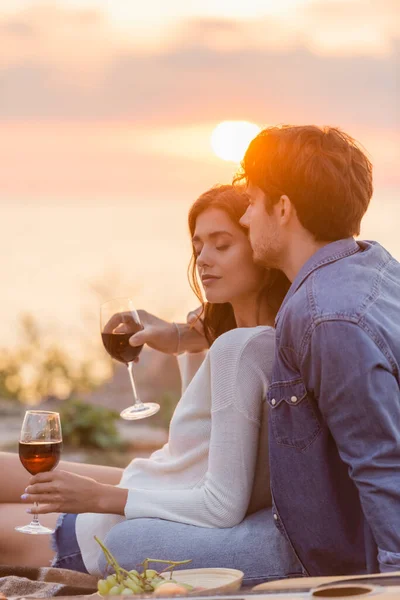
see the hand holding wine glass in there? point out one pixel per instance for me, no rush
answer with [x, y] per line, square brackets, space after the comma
[119, 321]
[39, 451]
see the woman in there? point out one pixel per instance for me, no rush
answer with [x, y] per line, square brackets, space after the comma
[213, 471]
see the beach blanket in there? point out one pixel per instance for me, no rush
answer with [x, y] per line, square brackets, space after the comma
[44, 582]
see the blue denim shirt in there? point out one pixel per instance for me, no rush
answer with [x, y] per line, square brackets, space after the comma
[335, 411]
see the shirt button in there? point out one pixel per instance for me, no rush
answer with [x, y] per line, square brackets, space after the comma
[273, 401]
[275, 516]
[293, 399]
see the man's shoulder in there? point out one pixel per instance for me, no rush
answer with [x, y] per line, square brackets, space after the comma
[358, 289]
[349, 287]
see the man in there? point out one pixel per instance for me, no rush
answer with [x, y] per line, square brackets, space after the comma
[334, 396]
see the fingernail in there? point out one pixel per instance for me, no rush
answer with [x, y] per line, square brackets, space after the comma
[24, 496]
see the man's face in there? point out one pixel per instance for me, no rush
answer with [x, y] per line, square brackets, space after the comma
[264, 231]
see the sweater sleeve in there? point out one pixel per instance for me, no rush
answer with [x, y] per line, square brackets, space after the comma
[238, 388]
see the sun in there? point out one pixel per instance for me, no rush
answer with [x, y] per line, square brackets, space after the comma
[230, 139]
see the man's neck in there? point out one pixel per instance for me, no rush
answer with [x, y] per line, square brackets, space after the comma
[300, 251]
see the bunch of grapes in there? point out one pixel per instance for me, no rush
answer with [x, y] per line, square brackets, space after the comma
[150, 581]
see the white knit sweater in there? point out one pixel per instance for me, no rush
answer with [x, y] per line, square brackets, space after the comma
[214, 468]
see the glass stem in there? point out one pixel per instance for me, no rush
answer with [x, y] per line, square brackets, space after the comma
[35, 518]
[135, 396]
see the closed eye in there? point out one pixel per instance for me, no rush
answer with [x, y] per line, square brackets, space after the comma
[222, 248]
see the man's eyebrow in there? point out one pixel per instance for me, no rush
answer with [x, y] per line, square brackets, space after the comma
[212, 235]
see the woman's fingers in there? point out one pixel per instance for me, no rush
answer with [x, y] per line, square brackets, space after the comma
[141, 337]
[44, 509]
[44, 477]
[41, 498]
[119, 319]
[42, 488]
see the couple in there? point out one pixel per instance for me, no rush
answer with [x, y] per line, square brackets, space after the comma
[324, 382]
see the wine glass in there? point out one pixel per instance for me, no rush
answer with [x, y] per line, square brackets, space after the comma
[119, 321]
[40, 448]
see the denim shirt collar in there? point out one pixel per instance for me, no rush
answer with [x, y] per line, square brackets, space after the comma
[325, 255]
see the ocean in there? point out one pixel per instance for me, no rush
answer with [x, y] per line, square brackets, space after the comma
[61, 259]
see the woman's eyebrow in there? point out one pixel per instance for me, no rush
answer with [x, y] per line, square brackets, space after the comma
[212, 235]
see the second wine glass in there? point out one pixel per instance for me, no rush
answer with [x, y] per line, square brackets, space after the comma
[119, 321]
[40, 447]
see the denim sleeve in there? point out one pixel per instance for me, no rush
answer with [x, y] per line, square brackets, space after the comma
[358, 396]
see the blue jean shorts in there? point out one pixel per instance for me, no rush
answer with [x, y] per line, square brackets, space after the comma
[65, 544]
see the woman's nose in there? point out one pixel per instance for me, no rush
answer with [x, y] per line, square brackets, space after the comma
[203, 259]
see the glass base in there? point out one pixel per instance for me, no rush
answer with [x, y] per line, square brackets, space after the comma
[34, 529]
[140, 411]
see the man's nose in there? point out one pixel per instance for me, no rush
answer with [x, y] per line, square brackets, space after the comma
[245, 220]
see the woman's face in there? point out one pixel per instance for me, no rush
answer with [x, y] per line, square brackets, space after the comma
[224, 258]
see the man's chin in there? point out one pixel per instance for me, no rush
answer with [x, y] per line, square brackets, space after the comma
[260, 260]
[268, 260]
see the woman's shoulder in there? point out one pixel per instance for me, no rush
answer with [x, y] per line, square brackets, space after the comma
[236, 340]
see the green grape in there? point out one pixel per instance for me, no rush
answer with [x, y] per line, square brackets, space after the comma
[134, 572]
[112, 580]
[116, 590]
[134, 586]
[150, 574]
[126, 592]
[103, 587]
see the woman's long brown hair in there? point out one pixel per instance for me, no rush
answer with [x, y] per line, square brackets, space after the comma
[220, 318]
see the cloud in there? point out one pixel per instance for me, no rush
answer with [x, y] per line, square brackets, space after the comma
[16, 28]
[193, 83]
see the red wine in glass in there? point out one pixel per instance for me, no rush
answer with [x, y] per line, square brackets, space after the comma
[40, 447]
[39, 457]
[117, 346]
[119, 321]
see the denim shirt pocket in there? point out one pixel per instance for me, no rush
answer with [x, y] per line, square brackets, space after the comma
[293, 414]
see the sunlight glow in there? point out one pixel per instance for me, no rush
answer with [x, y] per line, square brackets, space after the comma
[230, 139]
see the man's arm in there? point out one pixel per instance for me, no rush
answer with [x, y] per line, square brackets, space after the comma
[359, 398]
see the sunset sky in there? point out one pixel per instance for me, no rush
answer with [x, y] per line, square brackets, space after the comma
[106, 112]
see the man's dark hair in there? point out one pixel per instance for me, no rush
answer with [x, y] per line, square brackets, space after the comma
[323, 171]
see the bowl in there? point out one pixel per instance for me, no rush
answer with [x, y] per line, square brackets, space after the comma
[212, 579]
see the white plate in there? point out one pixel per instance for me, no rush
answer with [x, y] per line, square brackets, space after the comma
[215, 580]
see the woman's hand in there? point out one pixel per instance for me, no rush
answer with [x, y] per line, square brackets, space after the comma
[169, 337]
[61, 491]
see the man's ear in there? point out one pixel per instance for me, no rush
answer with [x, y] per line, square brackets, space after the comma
[285, 209]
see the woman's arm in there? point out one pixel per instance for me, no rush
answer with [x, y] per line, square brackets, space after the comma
[166, 337]
[221, 499]
[18, 478]
[62, 491]
[239, 378]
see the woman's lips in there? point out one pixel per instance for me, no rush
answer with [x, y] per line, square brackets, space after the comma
[207, 280]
